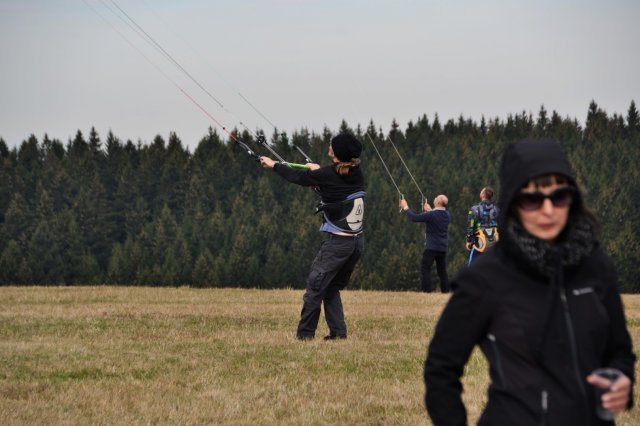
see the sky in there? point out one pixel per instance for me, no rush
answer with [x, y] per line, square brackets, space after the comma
[69, 65]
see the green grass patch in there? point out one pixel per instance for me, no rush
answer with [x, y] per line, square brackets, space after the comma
[123, 356]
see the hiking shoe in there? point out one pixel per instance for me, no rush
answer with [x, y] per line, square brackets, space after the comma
[302, 337]
[334, 337]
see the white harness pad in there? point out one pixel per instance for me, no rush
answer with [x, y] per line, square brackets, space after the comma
[355, 217]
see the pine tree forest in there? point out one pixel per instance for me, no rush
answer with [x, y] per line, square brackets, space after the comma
[99, 210]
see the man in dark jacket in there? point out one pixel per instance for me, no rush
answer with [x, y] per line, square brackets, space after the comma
[543, 306]
[436, 239]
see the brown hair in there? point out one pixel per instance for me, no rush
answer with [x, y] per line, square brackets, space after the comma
[488, 192]
[343, 167]
[548, 180]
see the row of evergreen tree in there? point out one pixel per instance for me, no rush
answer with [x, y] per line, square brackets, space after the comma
[99, 211]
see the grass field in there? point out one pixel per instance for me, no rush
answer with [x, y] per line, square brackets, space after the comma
[130, 355]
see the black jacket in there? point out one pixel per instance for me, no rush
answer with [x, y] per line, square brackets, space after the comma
[542, 334]
[503, 309]
[332, 187]
[340, 212]
[436, 235]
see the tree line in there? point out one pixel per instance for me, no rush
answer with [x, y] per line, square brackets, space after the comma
[96, 211]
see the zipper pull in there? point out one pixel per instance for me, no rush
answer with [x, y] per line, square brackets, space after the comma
[544, 401]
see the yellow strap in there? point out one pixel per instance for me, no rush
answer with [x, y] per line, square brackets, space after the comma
[481, 241]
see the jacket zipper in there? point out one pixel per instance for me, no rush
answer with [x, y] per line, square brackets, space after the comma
[574, 352]
[496, 353]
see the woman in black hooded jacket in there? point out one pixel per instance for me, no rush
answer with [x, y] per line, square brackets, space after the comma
[543, 305]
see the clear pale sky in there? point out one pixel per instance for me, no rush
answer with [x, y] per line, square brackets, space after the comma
[65, 65]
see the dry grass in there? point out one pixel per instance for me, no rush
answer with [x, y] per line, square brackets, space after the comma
[113, 355]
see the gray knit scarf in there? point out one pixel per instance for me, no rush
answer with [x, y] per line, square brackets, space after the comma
[575, 242]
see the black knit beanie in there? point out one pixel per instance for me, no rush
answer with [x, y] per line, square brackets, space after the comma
[346, 147]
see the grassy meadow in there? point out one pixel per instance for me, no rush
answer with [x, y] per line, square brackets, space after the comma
[132, 355]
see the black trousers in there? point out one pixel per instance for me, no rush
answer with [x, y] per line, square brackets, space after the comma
[428, 256]
[330, 273]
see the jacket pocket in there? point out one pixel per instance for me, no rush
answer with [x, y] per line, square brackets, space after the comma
[316, 277]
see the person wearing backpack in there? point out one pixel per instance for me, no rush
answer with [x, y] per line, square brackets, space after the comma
[482, 225]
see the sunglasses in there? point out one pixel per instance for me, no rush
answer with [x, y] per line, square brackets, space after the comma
[533, 200]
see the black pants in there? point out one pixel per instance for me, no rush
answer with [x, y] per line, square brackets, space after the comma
[330, 273]
[428, 256]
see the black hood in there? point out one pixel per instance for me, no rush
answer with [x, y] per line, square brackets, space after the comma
[526, 160]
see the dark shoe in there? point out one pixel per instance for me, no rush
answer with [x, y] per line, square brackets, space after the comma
[299, 337]
[334, 337]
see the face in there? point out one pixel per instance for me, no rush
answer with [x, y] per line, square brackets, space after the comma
[548, 220]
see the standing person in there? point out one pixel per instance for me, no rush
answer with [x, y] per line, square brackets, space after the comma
[341, 188]
[543, 306]
[436, 239]
[482, 225]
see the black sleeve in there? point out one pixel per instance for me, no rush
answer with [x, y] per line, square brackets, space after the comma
[461, 326]
[619, 352]
[417, 217]
[301, 177]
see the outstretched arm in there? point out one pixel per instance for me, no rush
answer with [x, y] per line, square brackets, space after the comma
[313, 176]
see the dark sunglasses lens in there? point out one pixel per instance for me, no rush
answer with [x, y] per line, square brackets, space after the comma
[530, 201]
[562, 197]
[534, 200]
